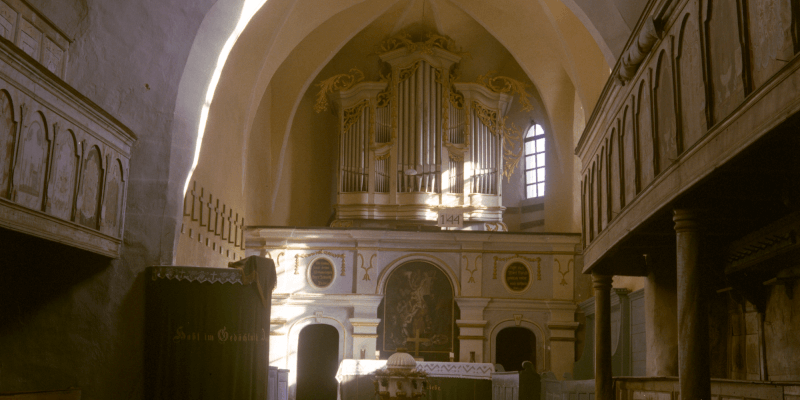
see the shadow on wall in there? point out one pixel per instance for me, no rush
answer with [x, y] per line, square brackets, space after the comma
[35, 272]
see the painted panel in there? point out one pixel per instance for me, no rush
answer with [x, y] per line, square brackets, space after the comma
[113, 200]
[61, 193]
[52, 56]
[770, 37]
[665, 112]
[693, 97]
[30, 38]
[592, 200]
[602, 193]
[418, 310]
[8, 19]
[7, 142]
[725, 58]
[30, 168]
[645, 131]
[89, 196]
[614, 158]
[629, 156]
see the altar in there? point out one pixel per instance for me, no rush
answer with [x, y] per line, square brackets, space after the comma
[446, 380]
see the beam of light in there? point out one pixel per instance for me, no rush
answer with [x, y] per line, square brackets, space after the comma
[249, 9]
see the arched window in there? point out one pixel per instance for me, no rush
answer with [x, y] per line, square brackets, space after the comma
[534, 162]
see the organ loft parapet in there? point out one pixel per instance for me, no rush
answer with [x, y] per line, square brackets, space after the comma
[417, 141]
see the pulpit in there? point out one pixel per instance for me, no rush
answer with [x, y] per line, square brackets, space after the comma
[207, 331]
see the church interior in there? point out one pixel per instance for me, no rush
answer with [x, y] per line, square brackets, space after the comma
[599, 193]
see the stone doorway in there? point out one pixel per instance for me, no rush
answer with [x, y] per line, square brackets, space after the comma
[317, 362]
[513, 346]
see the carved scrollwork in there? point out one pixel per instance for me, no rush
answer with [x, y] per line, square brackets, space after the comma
[408, 71]
[352, 114]
[504, 84]
[512, 137]
[334, 83]
[433, 40]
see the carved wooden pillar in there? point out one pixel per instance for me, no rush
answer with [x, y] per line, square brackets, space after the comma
[693, 342]
[661, 317]
[603, 385]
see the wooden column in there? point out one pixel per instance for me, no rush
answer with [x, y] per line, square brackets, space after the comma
[661, 318]
[603, 384]
[693, 351]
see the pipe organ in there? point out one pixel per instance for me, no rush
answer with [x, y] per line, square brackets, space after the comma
[415, 141]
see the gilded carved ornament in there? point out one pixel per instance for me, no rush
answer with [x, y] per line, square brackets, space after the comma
[564, 273]
[512, 137]
[352, 115]
[334, 83]
[504, 84]
[366, 270]
[471, 271]
[433, 40]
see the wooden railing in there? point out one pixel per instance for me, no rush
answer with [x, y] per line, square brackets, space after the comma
[667, 388]
[64, 161]
[694, 86]
[554, 389]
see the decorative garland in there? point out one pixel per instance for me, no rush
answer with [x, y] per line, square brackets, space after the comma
[297, 258]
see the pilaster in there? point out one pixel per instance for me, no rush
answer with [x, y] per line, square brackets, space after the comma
[471, 327]
[365, 326]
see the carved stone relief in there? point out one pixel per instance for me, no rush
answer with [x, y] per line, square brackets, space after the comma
[690, 69]
[770, 37]
[725, 58]
[628, 156]
[665, 106]
[31, 166]
[112, 202]
[645, 133]
[89, 195]
[61, 193]
[7, 143]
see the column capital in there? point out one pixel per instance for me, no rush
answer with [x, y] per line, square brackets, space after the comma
[602, 282]
[686, 219]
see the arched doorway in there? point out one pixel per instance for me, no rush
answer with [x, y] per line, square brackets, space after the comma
[513, 346]
[317, 362]
[418, 313]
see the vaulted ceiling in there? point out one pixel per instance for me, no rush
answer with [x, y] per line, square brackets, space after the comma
[279, 55]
